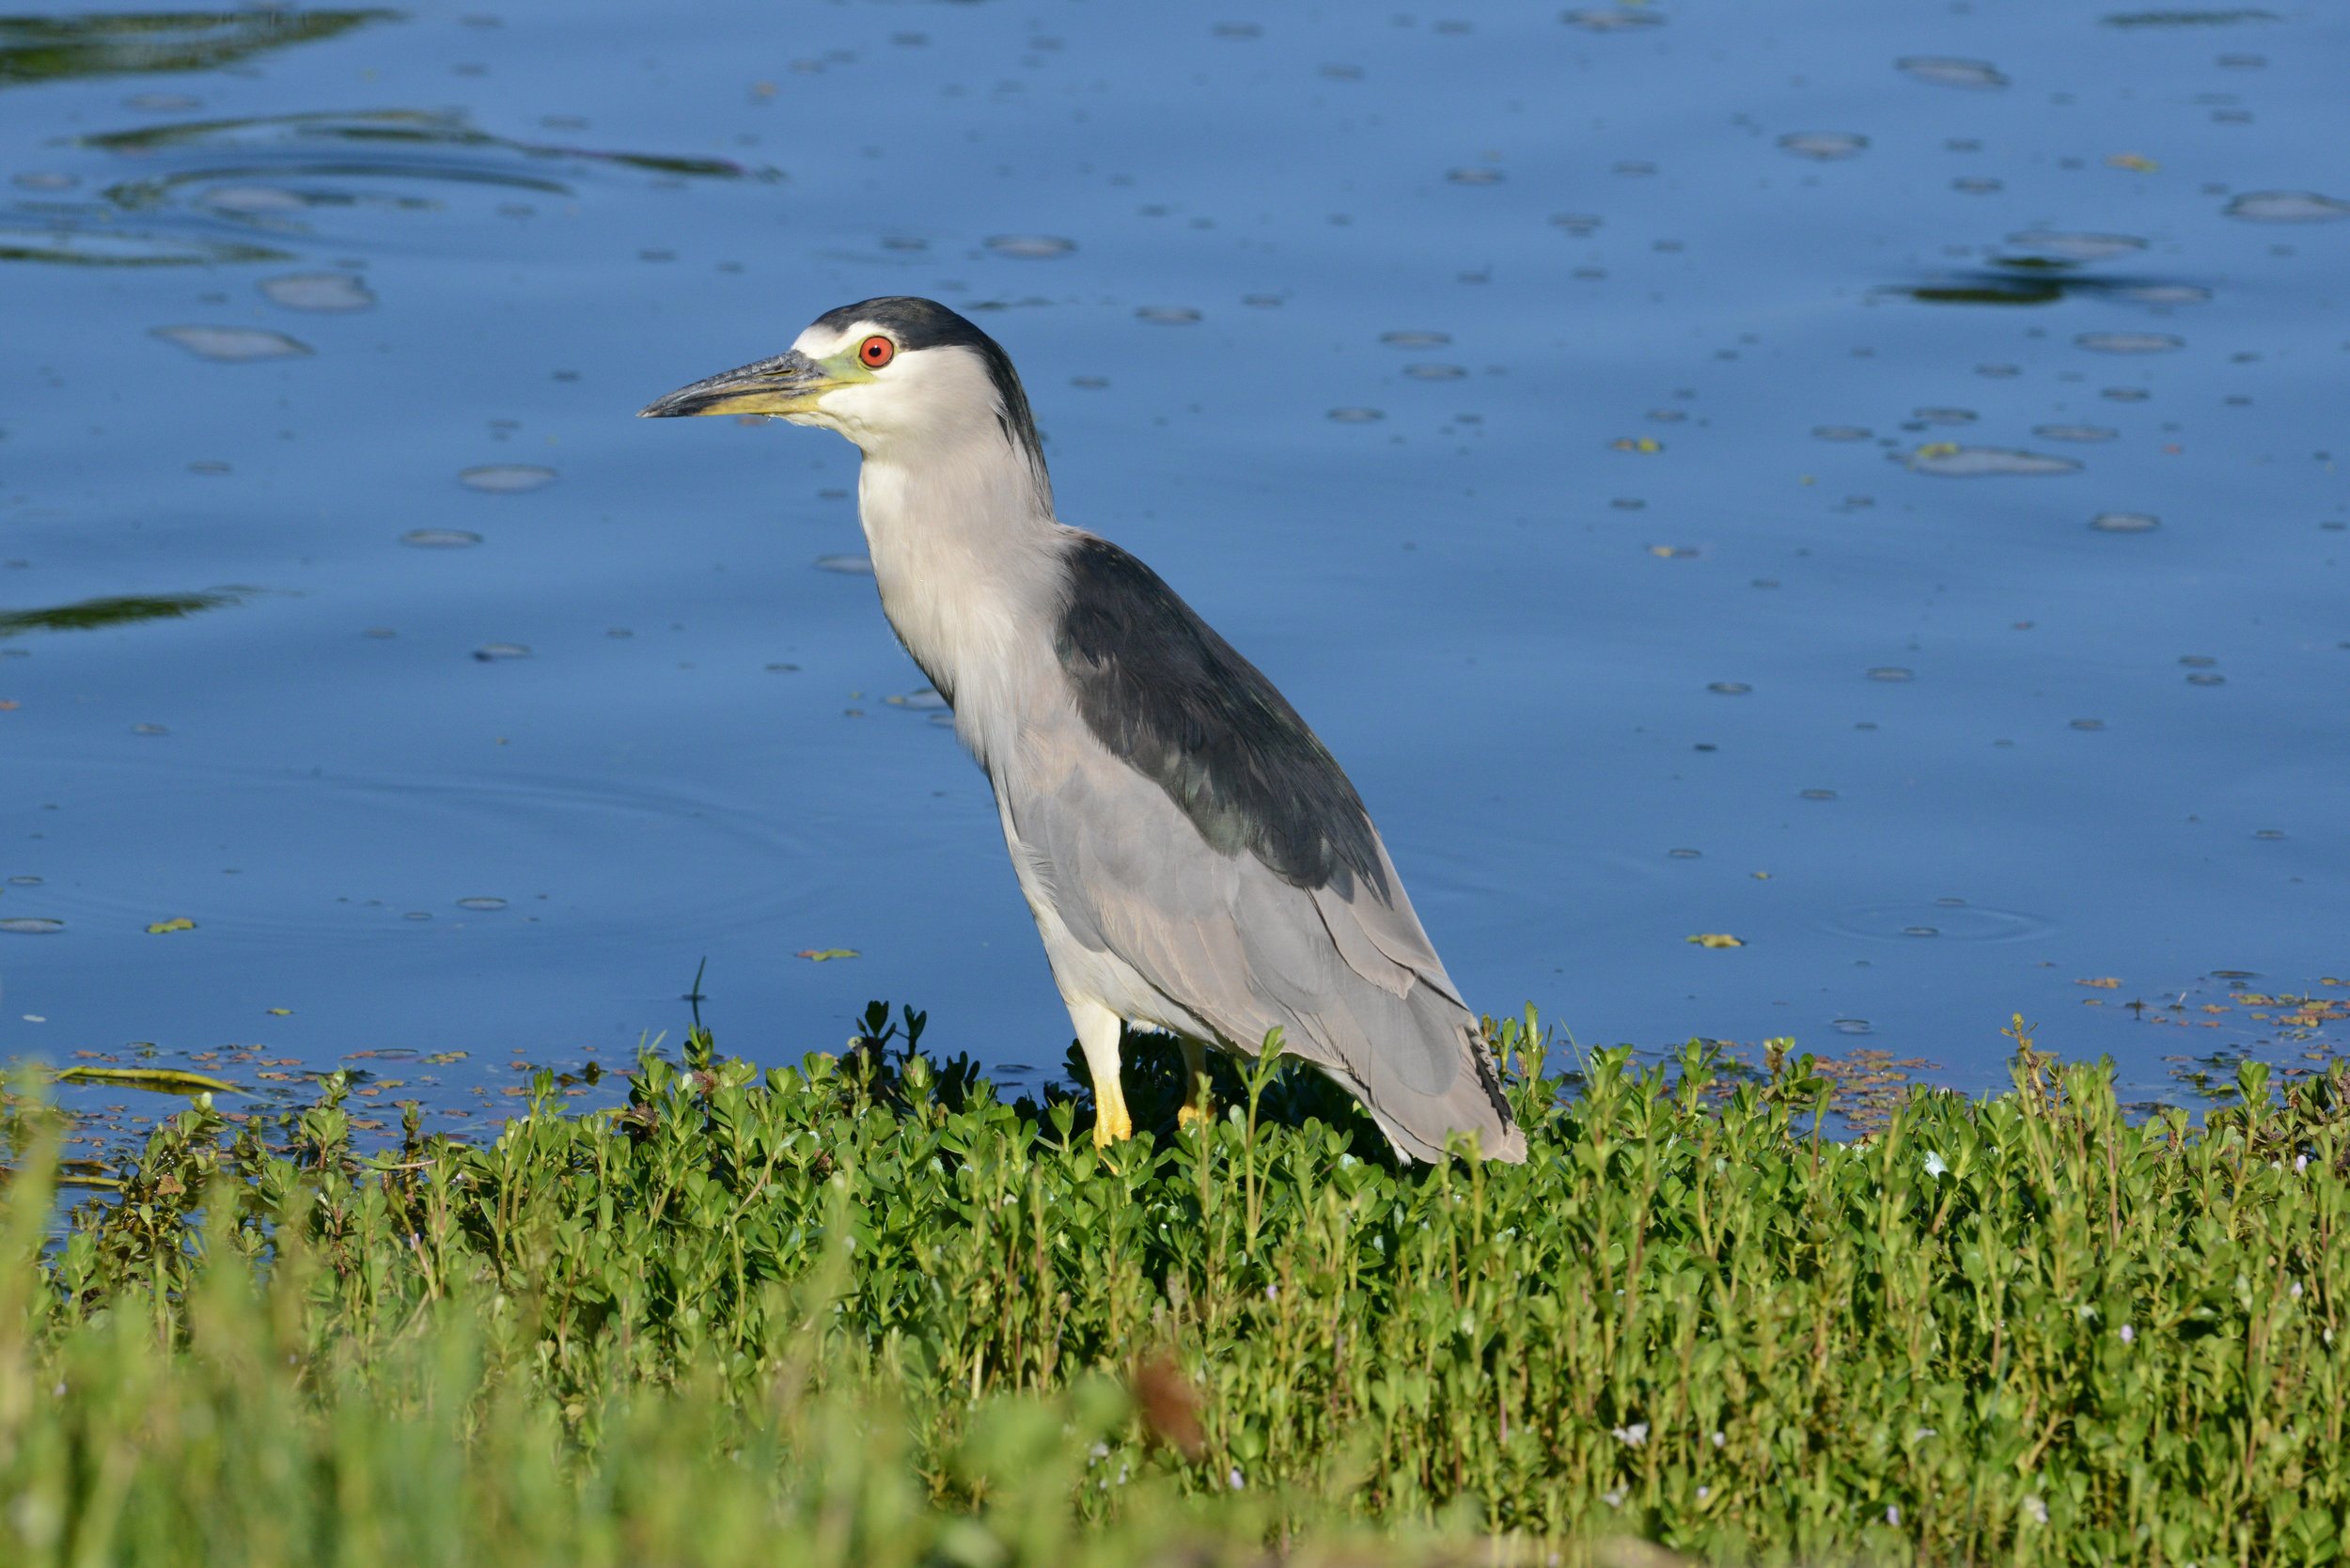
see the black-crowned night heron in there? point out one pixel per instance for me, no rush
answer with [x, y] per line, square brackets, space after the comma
[1196, 860]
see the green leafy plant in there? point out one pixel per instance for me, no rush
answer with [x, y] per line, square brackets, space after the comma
[863, 1311]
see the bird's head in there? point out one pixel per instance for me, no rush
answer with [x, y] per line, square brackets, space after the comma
[895, 375]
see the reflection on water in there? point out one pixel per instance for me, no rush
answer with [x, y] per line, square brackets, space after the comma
[2048, 269]
[1549, 402]
[1975, 75]
[1953, 460]
[2288, 206]
[318, 291]
[232, 343]
[36, 49]
[91, 614]
[2022, 285]
[232, 190]
[363, 144]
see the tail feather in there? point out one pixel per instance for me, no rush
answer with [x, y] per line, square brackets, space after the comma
[1418, 1123]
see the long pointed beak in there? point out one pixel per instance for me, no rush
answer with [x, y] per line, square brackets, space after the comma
[788, 384]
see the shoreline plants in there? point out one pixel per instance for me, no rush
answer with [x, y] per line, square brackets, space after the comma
[862, 1312]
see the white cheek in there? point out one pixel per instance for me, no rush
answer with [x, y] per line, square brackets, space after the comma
[848, 402]
[845, 409]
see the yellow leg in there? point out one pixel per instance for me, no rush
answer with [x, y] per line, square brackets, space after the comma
[1098, 1031]
[1196, 1108]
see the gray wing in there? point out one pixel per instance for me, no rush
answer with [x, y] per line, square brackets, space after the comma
[1344, 969]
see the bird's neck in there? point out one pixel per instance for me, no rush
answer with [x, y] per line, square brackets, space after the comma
[965, 551]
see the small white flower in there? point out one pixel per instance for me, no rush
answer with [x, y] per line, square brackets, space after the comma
[1098, 1452]
[1935, 1165]
[2036, 1507]
[1272, 1292]
[1633, 1435]
[1235, 1479]
[1893, 1514]
[2129, 1335]
[1704, 1492]
[1613, 1500]
[1720, 1439]
[2295, 1292]
[2300, 1164]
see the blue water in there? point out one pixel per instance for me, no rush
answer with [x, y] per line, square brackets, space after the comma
[1561, 409]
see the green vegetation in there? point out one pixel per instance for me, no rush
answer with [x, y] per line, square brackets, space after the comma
[862, 1312]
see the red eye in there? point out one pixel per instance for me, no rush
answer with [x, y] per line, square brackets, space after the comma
[877, 351]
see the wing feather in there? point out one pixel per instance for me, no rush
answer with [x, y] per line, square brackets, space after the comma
[1180, 817]
[1224, 939]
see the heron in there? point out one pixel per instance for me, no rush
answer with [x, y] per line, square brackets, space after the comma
[1196, 861]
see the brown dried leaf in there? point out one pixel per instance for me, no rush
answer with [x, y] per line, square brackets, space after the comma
[1169, 1406]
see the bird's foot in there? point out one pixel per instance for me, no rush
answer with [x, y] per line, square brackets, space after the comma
[1111, 1124]
[1196, 1111]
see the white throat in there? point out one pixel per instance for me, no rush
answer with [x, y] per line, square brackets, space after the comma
[965, 552]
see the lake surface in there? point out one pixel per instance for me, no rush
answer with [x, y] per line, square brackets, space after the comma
[1862, 479]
